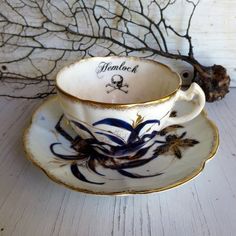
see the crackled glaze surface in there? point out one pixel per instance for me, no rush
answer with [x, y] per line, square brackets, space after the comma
[169, 158]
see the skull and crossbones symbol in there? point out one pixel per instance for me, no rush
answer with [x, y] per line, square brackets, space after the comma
[117, 83]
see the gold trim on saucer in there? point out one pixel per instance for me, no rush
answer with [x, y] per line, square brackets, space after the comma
[119, 105]
[30, 157]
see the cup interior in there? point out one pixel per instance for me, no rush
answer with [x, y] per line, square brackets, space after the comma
[118, 80]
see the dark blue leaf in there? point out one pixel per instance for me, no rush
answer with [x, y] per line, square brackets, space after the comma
[143, 151]
[63, 156]
[147, 137]
[61, 131]
[113, 138]
[141, 125]
[83, 127]
[157, 141]
[127, 149]
[136, 176]
[136, 156]
[115, 122]
[135, 133]
[76, 172]
[92, 166]
[132, 164]
[102, 149]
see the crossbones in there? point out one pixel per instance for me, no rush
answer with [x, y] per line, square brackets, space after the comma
[117, 83]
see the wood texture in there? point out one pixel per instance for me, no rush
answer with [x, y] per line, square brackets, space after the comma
[31, 204]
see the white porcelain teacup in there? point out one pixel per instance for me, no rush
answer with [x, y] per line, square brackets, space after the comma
[120, 101]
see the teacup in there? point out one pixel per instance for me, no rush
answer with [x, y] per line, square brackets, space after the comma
[117, 103]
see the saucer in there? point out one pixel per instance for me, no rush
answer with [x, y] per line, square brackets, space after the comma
[178, 153]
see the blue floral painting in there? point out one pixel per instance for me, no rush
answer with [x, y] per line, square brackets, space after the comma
[119, 155]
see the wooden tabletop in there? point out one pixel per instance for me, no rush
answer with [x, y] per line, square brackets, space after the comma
[32, 205]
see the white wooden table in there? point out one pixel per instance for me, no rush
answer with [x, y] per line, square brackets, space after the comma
[31, 204]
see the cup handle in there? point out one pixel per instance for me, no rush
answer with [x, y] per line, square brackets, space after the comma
[188, 95]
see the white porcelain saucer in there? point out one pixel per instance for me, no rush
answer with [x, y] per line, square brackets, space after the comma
[178, 155]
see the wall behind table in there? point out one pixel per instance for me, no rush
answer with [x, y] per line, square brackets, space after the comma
[213, 31]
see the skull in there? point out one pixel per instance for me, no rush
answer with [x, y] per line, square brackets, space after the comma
[117, 81]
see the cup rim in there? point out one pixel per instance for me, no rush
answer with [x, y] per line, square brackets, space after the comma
[120, 105]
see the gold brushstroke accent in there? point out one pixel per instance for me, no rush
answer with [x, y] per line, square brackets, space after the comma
[195, 173]
[138, 120]
[118, 105]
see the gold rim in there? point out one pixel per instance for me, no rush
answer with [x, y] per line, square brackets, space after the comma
[118, 105]
[32, 158]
